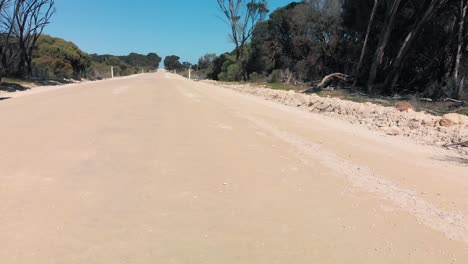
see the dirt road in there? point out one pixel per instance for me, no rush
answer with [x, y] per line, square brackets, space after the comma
[159, 169]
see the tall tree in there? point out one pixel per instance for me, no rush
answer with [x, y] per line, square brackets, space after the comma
[387, 28]
[427, 11]
[366, 39]
[172, 63]
[206, 62]
[242, 16]
[153, 60]
[459, 74]
[5, 33]
[28, 20]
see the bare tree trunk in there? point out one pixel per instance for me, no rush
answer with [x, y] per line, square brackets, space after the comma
[383, 41]
[242, 16]
[364, 47]
[459, 69]
[395, 68]
[461, 86]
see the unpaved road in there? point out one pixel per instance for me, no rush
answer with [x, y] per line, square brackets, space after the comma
[159, 169]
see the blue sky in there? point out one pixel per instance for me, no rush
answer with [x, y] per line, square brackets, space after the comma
[187, 28]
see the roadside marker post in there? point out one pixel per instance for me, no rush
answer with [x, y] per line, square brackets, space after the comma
[112, 72]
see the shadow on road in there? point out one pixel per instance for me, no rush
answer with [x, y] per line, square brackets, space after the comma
[17, 87]
[457, 160]
[12, 87]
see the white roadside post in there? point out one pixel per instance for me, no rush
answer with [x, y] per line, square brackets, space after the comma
[189, 74]
[112, 72]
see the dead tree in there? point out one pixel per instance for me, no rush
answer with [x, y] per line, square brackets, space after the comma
[28, 21]
[5, 32]
[242, 16]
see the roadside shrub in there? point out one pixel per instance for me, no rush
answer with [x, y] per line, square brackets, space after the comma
[51, 68]
[222, 77]
[275, 76]
[233, 73]
[257, 77]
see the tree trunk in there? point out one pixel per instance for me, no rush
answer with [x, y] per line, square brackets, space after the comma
[364, 47]
[459, 69]
[395, 68]
[383, 41]
[238, 52]
[461, 86]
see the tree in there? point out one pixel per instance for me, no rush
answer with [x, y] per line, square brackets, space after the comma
[364, 46]
[242, 17]
[172, 63]
[390, 46]
[459, 75]
[206, 62]
[218, 66]
[426, 13]
[186, 65]
[412, 45]
[153, 60]
[51, 55]
[389, 23]
[135, 59]
[305, 39]
[5, 33]
[27, 21]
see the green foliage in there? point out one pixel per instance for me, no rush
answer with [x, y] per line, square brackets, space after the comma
[55, 58]
[305, 38]
[220, 67]
[275, 76]
[233, 72]
[151, 60]
[256, 77]
[410, 48]
[206, 62]
[222, 77]
[186, 65]
[172, 63]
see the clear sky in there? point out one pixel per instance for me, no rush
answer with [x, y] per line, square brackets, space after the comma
[187, 28]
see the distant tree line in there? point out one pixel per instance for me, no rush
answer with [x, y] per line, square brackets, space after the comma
[384, 46]
[172, 62]
[123, 65]
[26, 53]
[21, 24]
[55, 58]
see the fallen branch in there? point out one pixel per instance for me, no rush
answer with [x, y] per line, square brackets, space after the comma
[426, 100]
[333, 77]
[454, 101]
[327, 80]
[462, 144]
